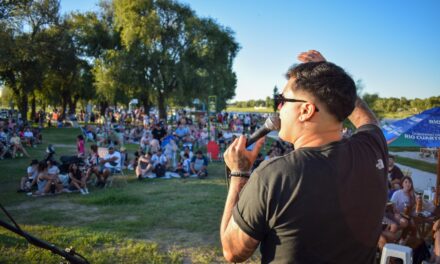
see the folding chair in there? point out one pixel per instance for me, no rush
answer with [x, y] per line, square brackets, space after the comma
[119, 174]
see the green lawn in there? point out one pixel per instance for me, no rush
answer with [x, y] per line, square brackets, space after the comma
[249, 109]
[418, 164]
[154, 221]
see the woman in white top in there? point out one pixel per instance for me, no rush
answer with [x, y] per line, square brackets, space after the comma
[404, 197]
[404, 201]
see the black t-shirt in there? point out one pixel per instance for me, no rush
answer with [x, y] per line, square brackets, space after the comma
[158, 133]
[319, 205]
[395, 173]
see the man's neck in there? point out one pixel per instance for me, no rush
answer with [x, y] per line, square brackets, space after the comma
[317, 139]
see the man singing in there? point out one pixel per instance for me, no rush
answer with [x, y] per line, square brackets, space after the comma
[322, 202]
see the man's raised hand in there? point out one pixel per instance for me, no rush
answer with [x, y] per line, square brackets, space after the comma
[311, 56]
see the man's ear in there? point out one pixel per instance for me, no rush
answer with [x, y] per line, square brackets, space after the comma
[307, 110]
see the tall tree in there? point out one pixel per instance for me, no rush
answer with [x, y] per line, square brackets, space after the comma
[275, 93]
[22, 68]
[172, 41]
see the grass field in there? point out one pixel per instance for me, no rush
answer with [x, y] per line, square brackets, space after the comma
[154, 221]
[249, 109]
[418, 164]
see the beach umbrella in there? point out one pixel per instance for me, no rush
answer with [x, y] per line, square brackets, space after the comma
[421, 130]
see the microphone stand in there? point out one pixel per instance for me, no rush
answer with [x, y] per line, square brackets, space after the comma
[69, 253]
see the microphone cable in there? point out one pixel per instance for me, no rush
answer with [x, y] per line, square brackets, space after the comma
[69, 253]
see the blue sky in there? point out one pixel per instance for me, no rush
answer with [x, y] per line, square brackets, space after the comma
[393, 46]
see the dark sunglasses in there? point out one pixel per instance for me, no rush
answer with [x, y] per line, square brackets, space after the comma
[279, 101]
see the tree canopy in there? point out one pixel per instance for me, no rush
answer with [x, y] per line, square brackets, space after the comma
[158, 51]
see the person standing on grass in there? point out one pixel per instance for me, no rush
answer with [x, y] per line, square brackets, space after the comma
[314, 204]
[80, 146]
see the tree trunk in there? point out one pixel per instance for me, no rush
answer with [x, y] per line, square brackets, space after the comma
[24, 106]
[33, 107]
[72, 106]
[146, 103]
[103, 106]
[63, 106]
[161, 106]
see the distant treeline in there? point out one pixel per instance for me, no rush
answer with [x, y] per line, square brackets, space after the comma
[385, 106]
[381, 106]
[268, 102]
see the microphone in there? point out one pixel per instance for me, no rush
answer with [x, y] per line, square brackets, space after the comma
[272, 123]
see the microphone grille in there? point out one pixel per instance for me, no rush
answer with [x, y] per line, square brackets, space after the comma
[273, 122]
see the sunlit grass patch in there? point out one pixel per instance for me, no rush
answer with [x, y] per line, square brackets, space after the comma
[99, 247]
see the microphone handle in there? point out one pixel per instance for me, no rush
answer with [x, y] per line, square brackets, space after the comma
[250, 140]
[256, 136]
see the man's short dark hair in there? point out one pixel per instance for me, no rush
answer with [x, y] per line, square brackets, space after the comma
[328, 83]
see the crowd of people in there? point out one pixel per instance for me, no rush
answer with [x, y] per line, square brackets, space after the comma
[403, 212]
[16, 136]
[172, 148]
[177, 148]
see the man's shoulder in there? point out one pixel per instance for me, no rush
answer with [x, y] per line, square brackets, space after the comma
[281, 164]
[368, 129]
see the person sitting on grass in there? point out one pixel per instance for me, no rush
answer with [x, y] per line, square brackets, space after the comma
[47, 182]
[28, 136]
[27, 181]
[188, 151]
[4, 149]
[111, 163]
[52, 169]
[159, 161]
[17, 146]
[184, 166]
[78, 179]
[144, 167]
[93, 163]
[199, 164]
